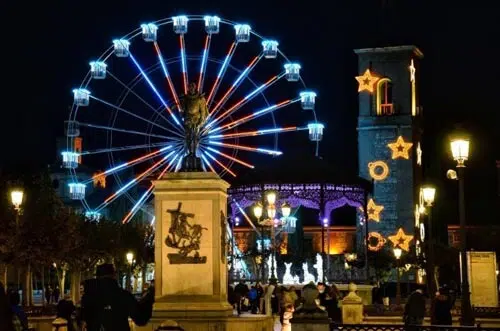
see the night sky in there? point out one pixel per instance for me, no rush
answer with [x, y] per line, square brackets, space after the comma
[48, 46]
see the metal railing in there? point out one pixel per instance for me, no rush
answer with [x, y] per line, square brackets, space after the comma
[401, 327]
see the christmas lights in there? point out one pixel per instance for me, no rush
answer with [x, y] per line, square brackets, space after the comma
[400, 148]
[366, 81]
[375, 241]
[379, 170]
[401, 240]
[374, 211]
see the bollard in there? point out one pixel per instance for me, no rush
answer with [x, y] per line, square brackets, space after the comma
[169, 325]
[60, 324]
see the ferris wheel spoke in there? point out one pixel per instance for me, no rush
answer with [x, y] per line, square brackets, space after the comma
[130, 163]
[145, 196]
[235, 85]
[154, 89]
[119, 81]
[256, 133]
[139, 203]
[109, 128]
[203, 66]
[205, 161]
[221, 73]
[134, 181]
[122, 148]
[167, 74]
[135, 115]
[245, 148]
[253, 116]
[242, 211]
[182, 44]
[231, 158]
[219, 163]
[244, 101]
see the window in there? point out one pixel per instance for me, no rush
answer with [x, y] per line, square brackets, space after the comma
[384, 97]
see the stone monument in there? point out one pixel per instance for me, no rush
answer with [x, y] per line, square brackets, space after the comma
[352, 307]
[191, 241]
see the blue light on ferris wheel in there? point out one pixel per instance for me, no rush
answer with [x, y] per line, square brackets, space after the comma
[81, 97]
[98, 69]
[70, 159]
[315, 131]
[76, 191]
[212, 24]
[93, 215]
[307, 100]
[270, 49]
[149, 32]
[242, 33]
[121, 47]
[292, 72]
[180, 24]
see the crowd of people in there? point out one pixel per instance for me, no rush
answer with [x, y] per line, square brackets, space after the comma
[282, 301]
[441, 306]
[104, 305]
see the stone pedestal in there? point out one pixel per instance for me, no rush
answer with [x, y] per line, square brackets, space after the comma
[190, 246]
[190, 256]
[352, 307]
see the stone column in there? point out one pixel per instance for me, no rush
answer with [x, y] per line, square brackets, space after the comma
[190, 246]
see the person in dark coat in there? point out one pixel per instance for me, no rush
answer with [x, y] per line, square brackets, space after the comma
[6, 314]
[65, 309]
[332, 304]
[240, 291]
[443, 303]
[415, 308]
[106, 306]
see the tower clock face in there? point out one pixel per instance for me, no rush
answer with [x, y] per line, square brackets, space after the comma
[422, 232]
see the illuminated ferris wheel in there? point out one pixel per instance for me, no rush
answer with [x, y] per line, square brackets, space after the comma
[127, 112]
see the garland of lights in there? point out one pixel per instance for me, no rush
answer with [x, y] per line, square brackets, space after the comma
[378, 239]
[379, 170]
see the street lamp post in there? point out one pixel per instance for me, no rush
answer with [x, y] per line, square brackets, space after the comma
[16, 197]
[273, 223]
[460, 151]
[429, 194]
[397, 254]
[130, 260]
[325, 225]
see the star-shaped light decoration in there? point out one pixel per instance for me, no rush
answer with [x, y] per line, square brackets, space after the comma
[401, 240]
[366, 81]
[419, 154]
[374, 211]
[412, 71]
[400, 148]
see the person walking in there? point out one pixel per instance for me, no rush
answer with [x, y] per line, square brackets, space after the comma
[107, 307]
[415, 308]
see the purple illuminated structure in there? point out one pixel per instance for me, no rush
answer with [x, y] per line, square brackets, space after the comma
[323, 197]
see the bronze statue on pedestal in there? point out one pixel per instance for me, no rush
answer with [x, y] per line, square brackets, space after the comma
[194, 112]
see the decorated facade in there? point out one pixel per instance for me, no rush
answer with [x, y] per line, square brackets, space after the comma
[389, 148]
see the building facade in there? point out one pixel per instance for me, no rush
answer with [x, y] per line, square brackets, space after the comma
[389, 135]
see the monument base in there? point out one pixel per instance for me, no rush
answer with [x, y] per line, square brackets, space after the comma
[201, 322]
